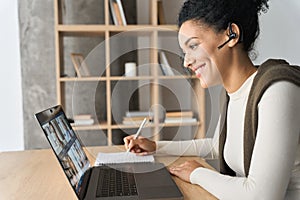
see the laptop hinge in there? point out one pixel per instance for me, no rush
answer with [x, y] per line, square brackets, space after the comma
[84, 183]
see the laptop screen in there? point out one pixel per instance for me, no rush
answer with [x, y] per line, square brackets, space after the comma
[65, 144]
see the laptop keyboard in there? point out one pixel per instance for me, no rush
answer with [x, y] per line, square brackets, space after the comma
[113, 182]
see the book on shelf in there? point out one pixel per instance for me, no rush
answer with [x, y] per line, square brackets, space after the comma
[180, 120]
[164, 64]
[117, 12]
[135, 120]
[137, 117]
[81, 120]
[139, 114]
[161, 14]
[184, 113]
[180, 116]
[82, 117]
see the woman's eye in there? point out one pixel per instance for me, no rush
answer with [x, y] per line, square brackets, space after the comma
[193, 46]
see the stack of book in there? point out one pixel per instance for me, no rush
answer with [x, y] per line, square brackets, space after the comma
[117, 12]
[136, 117]
[81, 120]
[180, 117]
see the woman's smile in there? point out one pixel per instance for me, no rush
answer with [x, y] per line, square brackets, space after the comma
[198, 69]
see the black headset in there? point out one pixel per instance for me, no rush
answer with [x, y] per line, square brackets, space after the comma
[232, 35]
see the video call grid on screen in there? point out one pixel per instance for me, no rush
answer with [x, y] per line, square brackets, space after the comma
[67, 148]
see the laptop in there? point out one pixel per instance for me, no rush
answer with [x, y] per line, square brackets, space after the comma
[108, 181]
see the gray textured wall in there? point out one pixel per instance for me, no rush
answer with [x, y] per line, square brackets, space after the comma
[37, 62]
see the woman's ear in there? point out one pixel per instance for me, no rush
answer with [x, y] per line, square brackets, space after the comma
[234, 34]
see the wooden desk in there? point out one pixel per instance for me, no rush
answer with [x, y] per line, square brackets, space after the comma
[36, 174]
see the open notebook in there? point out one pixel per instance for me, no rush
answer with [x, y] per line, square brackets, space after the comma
[121, 157]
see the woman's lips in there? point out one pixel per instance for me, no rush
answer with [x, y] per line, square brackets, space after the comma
[198, 69]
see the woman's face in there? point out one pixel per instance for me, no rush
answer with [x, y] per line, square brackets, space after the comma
[200, 44]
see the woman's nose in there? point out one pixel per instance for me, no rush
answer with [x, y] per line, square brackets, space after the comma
[187, 62]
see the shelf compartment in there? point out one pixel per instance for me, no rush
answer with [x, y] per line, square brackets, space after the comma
[80, 56]
[122, 50]
[75, 12]
[121, 101]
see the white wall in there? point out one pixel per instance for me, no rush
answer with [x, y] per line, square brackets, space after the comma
[11, 123]
[280, 30]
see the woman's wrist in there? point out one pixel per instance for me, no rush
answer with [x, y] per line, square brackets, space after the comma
[154, 146]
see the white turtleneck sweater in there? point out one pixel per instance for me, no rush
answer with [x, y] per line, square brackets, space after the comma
[275, 163]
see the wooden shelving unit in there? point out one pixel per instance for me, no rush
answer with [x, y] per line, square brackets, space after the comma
[106, 30]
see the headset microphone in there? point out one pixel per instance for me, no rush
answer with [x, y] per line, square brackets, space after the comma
[231, 36]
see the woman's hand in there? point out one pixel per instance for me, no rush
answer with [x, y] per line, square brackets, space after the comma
[140, 146]
[184, 170]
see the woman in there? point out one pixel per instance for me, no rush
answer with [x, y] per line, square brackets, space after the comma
[258, 131]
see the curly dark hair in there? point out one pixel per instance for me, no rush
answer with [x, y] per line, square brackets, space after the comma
[219, 13]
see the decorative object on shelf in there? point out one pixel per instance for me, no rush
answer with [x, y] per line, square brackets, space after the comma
[117, 12]
[130, 69]
[79, 65]
[164, 64]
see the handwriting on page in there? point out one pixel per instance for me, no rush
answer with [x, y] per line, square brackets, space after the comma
[122, 157]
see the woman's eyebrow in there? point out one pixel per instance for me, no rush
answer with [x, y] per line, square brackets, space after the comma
[187, 41]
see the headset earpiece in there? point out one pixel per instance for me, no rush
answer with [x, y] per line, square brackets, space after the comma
[232, 35]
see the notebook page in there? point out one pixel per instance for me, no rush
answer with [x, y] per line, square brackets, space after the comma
[121, 157]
